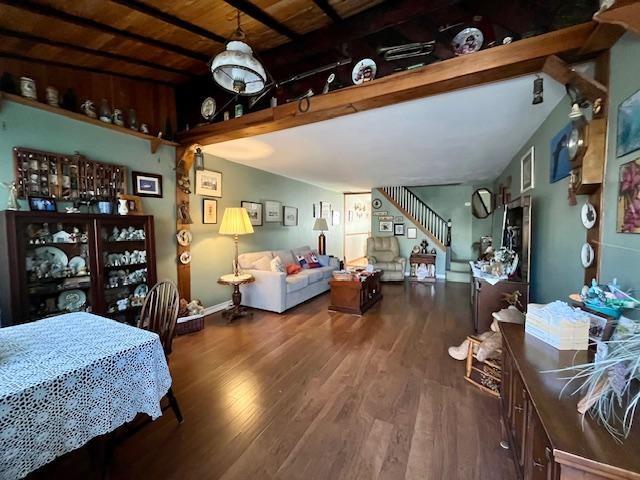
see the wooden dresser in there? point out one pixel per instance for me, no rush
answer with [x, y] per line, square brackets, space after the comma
[547, 435]
[487, 298]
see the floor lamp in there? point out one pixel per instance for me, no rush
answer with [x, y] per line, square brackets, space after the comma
[235, 221]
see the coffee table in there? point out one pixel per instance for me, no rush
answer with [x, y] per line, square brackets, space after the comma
[236, 310]
[355, 296]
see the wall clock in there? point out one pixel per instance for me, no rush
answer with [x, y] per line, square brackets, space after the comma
[208, 108]
[376, 203]
[577, 143]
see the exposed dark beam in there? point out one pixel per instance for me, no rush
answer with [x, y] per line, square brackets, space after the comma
[168, 18]
[46, 10]
[326, 7]
[375, 19]
[55, 63]
[263, 17]
[90, 51]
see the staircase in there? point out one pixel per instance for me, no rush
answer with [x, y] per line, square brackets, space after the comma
[435, 227]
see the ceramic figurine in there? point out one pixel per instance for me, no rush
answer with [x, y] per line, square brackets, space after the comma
[133, 121]
[122, 207]
[105, 111]
[89, 109]
[53, 97]
[118, 117]
[225, 116]
[12, 202]
[144, 128]
[28, 88]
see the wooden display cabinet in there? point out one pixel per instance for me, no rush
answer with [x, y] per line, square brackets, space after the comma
[45, 271]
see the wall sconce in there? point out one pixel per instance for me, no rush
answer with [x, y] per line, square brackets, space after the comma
[538, 90]
[199, 159]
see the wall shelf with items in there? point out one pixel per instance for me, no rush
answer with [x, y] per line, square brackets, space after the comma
[154, 142]
[82, 271]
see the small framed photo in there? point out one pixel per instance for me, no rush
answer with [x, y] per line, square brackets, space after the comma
[335, 218]
[290, 216]
[398, 229]
[147, 184]
[43, 204]
[412, 232]
[325, 210]
[272, 211]
[385, 226]
[316, 210]
[209, 210]
[527, 171]
[209, 183]
[255, 212]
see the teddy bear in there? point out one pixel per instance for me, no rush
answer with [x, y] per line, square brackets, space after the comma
[187, 309]
[490, 345]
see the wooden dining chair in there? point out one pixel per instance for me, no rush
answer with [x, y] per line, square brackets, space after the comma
[159, 314]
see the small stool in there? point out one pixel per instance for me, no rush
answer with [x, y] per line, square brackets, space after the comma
[485, 375]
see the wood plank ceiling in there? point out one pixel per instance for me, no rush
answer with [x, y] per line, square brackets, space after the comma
[161, 40]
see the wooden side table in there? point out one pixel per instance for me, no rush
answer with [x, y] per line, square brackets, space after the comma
[236, 310]
[417, 259]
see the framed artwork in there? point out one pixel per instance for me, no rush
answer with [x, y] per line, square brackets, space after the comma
[335, 218]
[290, 216]
[629, 198]
[385, 218]
[272, 211]
[325, 210]
[380, 213]
[147, 184]
[386, 226]
[560, 164]
[209, 210]
[398, 228]
[628, 138]
[209, 183]
[43, 204]
[255, 212]
[412, 232]
[527, 171]
[316, 210]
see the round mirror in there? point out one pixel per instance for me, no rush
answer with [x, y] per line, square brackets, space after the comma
[482, 203]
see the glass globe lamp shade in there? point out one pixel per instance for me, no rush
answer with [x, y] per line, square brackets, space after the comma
[237, 71]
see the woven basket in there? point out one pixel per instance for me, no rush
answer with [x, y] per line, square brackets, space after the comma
[191, 324]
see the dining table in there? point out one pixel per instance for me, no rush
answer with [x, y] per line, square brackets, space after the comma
[70, 378]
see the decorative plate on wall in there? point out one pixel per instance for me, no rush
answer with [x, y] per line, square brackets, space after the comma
[184, 237]
[376, 203]
[208, 108]
[588, 215]
[587, 255]
[185, 258]
[364, 71]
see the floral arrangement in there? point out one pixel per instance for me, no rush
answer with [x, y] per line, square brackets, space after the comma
[629, 198]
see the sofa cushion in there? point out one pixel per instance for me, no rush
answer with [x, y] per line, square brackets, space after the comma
[327, 272]
[389, 266]
[246, 260]
[293, 268]
[296, 282]
[285, 255]
[277, 265]
[313, 274]
[312, 260]
[263, 263]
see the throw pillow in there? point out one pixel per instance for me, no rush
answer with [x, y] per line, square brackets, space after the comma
[292, 269]
[263, 263]
[277, 265]
[302, 261]
[312, 260]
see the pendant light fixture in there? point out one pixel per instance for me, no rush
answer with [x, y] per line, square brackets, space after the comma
[236, 69]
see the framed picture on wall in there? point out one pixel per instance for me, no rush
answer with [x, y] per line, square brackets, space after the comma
[386, 226]
[628, 138]
[147, 184]
[209, 183]
[628, 195]
[398, 229]
[412, 232]
[560, 165]
[335, 218]
[255, 212]
[527, 171]
[325, 210]
[316, 210]
[272, 211]
[209, 210]
[290, 216]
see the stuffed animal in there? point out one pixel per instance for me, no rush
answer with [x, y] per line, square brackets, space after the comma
[491, 342]
[187, 309]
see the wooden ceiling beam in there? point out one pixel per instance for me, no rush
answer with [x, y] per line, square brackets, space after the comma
[158, 14]
[625, 13]
[48, 11]
[56, 63]
[329, 11]
[495, 64]
[263, 17]
[90, 51]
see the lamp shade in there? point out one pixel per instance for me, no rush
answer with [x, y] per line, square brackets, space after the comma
[320, 225]
[235, 221]
[237, 70]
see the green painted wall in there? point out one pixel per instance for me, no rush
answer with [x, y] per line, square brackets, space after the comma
[22, 126]
[213, 253]
[557, 231]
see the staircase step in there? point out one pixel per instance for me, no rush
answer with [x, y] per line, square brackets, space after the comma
[460, 266]
[458, 277]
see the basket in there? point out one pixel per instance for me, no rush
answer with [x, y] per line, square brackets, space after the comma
[342, 276]
[193, 323]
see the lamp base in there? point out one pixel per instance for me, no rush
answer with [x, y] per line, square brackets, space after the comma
[322, 244]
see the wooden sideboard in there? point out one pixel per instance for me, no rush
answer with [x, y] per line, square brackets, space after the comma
[418, 259]
[487, 298]
[548, 438]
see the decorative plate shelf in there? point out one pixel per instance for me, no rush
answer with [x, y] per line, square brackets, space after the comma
[154, 142]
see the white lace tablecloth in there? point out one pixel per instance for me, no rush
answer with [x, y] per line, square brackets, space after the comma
[67, 379]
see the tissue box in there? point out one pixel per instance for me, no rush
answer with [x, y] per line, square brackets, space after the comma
[559, 325]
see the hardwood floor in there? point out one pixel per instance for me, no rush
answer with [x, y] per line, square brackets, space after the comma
[316, 395]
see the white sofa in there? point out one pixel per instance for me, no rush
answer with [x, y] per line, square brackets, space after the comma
[277, 291]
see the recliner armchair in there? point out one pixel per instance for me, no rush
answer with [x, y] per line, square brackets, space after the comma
[384, 253]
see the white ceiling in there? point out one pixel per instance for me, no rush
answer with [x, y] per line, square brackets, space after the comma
[464, 136]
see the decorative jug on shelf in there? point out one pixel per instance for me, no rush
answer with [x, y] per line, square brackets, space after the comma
[123, 209]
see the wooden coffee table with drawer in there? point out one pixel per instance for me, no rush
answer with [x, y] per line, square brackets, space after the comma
[355, 296]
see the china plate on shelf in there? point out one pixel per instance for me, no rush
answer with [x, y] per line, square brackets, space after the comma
[141, 290]
[588, 215]
[53, 254]
[76, 263]
[113, 260]
[71, 300]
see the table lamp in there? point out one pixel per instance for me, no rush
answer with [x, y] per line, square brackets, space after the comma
[321, 226]
[235, 221]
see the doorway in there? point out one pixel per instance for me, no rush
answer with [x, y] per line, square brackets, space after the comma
[357, 227]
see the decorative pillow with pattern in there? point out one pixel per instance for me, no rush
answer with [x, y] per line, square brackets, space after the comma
[277, 265]
[301, 261]
[312, 260]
